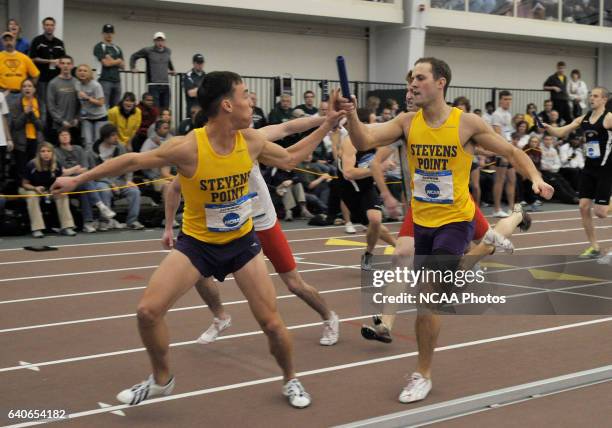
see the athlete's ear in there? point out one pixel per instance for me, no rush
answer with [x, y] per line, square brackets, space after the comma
[226, 105]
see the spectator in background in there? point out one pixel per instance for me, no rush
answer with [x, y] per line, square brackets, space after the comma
[462, 103]
[505, 175]
[478, 112]
[316, 184]
[521, 134]
[63, 102]
[309, 104]
[93, 112]
[545, 114]
[40, 173]
[281, 114]
[6, 140]
[259, 117]
[45, 51]
[108, 147]
[554, 119]
[26, 126]
[189, 124]
[192, 80]
[15, 67]
[572, 161]
[74, 160]
[162, 134]
[385, 116]
[373, 104]
[557, 85]
[530, 110]
[21, 43]
[392, 105]
[532, 149]
[159, 64]
[110, 62]
[578, 93]
[148, 116]
[152, 133]
[126, 118]
[489, 110]
[550, 166]
[288, 186]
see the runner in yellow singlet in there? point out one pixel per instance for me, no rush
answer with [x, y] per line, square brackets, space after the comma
[217, 238]
[439, 157]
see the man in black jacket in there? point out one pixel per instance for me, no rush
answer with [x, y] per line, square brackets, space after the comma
[557, 85]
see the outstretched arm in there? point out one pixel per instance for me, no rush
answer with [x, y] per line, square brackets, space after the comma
[564, 131]
[489, 140]
[282, 130]
[365, 138]
[167, 154]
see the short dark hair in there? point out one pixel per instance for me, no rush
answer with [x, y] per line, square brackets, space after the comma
[62, 130]
[65, 56]
[309, 92]
[128, 96]
[462, 101]
[547, 101]
[364, 115]
[108, 130]
[216, 86]
[145, 95]
[439, 69]
[504, 94]
[576, 71]
[48, 18]
[389, 102]
[489, 104]
[561, 64]
[159, 123]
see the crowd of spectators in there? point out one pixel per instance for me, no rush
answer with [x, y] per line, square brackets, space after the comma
[60, 118]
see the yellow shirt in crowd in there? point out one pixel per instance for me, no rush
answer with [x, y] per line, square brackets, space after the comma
[15, 67]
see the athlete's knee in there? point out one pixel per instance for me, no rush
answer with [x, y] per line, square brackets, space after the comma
[272, 325]
[148, 314]
[374, 218]
[402, 251]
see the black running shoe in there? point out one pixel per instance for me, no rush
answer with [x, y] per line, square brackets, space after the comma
[525, 224]
[366, 261]
[373, 333]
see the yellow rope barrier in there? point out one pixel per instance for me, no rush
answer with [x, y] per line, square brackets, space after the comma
[80, 192]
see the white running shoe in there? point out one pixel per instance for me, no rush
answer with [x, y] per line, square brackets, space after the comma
[215, 329]
[145, 389]
[500, 214]
[349, 228]
[89, 227]
[297, 395]
[331, 330]
[417, 389]
[105, 212]
[498, 241]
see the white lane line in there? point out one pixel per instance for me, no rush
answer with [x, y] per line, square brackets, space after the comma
[172, 345]
[95, 256]
[184, 308]
[320, 371]
[564, 290]
[559, 245]
[61, 296]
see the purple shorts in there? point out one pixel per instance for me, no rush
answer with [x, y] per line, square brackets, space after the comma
[452, 238]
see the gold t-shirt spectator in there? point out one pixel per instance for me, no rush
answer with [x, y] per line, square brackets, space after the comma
[14, 68]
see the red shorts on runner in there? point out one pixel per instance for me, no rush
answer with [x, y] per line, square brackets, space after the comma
[481, 225]
[275, 246]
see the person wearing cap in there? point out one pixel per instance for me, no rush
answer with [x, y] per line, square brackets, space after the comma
[15, 67]
[45, 51]
[159, 65]
[192, 79]
[110, 59]
[21, 43]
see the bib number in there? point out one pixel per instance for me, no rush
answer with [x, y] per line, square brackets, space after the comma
[592, 150]
[434, 187]
[230, 216]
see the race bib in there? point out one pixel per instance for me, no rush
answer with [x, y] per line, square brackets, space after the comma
[592, 150]
[365, 161]
[229, 216]
[435, 187]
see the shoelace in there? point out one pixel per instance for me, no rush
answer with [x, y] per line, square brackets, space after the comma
[296, 385]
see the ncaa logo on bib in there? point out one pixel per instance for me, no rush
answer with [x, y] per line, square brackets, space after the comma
[231, 220]
[432, 190]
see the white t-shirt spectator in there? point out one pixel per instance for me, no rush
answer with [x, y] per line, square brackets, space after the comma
[3, 111]
[550, 159]
[571, 157]
[503, 119]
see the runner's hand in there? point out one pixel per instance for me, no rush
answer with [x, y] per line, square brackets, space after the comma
[168, 240]
[392, 206]
[63, 185]
[540, 187]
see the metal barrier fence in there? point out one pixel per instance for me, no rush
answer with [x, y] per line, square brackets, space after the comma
[264, 88]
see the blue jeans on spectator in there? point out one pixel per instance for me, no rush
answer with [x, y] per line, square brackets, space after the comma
[161, 95]
[112, 92]
[88, 200]
[131, 193]
[90, 131]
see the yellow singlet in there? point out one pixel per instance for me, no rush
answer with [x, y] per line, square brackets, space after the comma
[217, 199]
[440, 170]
